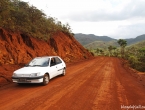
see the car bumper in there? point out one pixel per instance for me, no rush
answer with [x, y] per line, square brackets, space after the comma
[28, 79]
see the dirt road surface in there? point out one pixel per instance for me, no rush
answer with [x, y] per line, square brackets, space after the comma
[101, 83]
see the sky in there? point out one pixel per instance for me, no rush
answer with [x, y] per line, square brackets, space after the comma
[117, 19]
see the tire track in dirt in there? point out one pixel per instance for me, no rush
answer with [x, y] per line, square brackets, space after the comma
[78, 98]
[131, 90]
[65, 90]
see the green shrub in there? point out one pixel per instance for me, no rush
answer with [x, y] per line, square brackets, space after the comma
[17, 15]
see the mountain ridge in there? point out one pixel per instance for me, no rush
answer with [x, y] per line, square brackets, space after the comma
[91, 39]
[135, 40]
[88, 38]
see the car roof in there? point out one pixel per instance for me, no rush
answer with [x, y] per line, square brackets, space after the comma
[47, 57]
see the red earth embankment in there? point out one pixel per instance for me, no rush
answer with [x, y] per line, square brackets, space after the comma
[17, 48]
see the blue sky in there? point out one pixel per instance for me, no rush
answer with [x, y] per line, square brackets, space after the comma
[113, 18]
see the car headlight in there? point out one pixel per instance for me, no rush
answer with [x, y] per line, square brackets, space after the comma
[14, 74]
[34, 74]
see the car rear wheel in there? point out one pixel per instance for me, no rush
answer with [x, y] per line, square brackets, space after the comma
[63, 72]
[20, 83]
[45, 79]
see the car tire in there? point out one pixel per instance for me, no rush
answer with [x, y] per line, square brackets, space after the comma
[63, 72]
[20, 83]
[45, 79]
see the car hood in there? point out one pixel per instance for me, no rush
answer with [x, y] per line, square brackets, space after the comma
[27, 70]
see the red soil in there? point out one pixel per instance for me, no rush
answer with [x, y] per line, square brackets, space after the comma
[102, 83]
[18, 48]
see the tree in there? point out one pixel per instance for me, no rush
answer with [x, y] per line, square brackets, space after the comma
[114, 53]
[122, 44]
[102, 52]
[142, 51]
[110, 48]
[97, 51]
[5, 19]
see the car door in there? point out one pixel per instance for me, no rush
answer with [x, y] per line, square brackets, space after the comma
[59, 65]
[53, 68]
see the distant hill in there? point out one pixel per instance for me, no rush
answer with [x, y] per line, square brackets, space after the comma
[135, 40]
[101, 44]
[93, 41]
[137, 45]
[89, 38]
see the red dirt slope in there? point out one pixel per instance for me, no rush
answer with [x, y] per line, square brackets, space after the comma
[18, 48]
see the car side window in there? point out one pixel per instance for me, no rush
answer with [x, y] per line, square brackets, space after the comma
[52, 62]
[58, 61]
[45, 63]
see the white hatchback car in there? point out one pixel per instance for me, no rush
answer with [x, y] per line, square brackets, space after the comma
[40, 70]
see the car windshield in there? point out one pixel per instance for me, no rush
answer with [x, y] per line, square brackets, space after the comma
[39, 62]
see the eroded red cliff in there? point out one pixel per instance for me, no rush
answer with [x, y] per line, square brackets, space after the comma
[16, 48]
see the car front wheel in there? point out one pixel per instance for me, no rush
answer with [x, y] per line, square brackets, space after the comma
[45, 79]
[63, 72]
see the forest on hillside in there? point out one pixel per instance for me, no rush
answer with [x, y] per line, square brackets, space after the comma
[16, 15]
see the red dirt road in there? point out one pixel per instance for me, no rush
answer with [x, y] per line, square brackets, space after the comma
[101, 83]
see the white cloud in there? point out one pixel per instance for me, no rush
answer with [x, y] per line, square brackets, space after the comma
[114, 18]
[108, 12]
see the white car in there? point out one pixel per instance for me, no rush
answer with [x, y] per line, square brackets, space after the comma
[40, 70]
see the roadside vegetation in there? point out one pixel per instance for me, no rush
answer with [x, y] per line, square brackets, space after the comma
[16, 15]
[135, 54]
